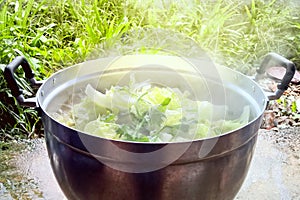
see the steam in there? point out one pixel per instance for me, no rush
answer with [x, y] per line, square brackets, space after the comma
[152, 41]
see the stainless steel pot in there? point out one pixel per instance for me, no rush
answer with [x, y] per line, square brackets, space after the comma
[90, 167]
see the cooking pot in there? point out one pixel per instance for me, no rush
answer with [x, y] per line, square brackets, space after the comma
[91, 167]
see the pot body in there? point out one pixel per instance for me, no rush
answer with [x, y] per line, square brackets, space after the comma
[82, 176]
[89, 167]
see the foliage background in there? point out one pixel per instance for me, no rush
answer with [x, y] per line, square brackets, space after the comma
[52, 35]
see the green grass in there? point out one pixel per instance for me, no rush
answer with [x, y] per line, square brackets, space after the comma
[56, 34]
[235, 33]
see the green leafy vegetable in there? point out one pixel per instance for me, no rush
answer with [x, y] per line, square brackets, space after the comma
[146, 113]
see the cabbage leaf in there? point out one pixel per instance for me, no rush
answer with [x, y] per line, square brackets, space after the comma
[146, 113]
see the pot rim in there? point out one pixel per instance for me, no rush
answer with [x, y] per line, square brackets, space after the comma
[255, 85]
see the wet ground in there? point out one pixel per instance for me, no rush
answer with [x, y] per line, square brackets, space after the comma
[274, 172]
[275, 169]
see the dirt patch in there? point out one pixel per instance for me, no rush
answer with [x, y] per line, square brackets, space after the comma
[288, 141]
[275, 169]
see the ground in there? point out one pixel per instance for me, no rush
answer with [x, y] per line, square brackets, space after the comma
[274, 172]
[275, 169]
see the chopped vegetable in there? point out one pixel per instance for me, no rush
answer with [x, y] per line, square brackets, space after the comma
[146, 113]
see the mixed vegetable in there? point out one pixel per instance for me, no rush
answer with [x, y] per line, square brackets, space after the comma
[147, 113]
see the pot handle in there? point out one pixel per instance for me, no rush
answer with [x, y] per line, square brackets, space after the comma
[16, 91]
[289, 74]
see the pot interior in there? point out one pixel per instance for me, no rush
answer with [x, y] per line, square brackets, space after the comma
[219, 85]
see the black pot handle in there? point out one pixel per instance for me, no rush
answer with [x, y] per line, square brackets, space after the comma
[289, 74]
[16, 91]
